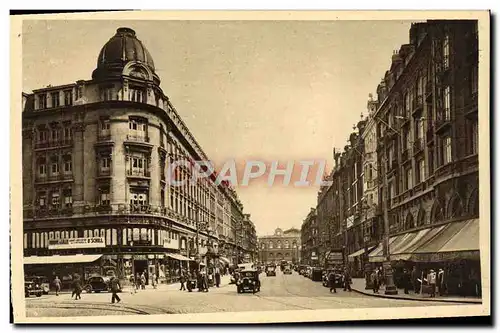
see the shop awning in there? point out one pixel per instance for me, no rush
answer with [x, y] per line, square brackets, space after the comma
[178, 257]
[360, 252]
[73, 259]
[225, 260]
[467, 239]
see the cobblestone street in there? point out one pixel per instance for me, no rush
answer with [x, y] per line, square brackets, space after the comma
[283, 292]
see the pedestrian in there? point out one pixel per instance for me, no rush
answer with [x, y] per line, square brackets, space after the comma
[115, 288]
[189, 281]
[375, 281]
[143, 281]
[57, 285]
[414, 280]
[182, 280]
[406, 281]
[205, 280]
[331, 281]
[133, 284]
[77, 287]
[137, 281]
[217, 277]
[153, 280]
[431, 279]
[347, 280]
[441, 282]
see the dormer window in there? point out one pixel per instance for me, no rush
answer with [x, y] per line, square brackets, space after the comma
[42, 101]
[68, 97]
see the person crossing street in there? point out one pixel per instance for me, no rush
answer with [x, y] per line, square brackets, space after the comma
[115, 288]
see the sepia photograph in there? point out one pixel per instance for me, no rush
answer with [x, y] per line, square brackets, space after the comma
[250, 167]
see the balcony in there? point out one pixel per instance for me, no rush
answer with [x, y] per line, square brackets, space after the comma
[140, 209]
[54, 144]
[418, 146]
[137, 173]
[104, 139]
[54, 178]
[443, 121]
[138, 141]
[418, 105]
[104, 173]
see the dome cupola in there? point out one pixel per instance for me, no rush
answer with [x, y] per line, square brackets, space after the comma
[122, 49]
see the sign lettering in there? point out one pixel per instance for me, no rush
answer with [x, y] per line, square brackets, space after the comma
[76, 243]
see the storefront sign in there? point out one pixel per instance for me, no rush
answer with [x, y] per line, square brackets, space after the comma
[76, 243]
[170, 243]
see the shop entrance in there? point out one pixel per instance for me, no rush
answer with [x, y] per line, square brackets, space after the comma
[141, 266]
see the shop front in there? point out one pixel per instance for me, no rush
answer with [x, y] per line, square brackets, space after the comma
[453, 247]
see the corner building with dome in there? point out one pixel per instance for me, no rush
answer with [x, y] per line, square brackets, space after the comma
[96, 198]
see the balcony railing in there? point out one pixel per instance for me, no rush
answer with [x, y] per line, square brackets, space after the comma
[54, 144]
[104, 136]
[418, 146]
[137, 138]
[104, 172]
[443, 120]
[139, 173]
[53, 178]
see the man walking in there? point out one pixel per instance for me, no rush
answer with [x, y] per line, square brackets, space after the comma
[347, 280]
[414, 280]
[331, 281]
[143, 281]
[217, 277]
[182, 280]
[77, 287]
[57, 285]
[431, 279]
[115, 288]
[375, 281]
[440, 282]
[406, 281]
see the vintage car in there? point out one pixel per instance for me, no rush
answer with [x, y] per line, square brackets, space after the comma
[42, 281]
[97, 284]
[287, 270]
[248, 281]
[270, 271]
[32, 288]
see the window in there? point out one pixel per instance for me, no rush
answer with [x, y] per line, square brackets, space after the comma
[42, 135]
[55, 99]
[421, 171]
[407, 139]
[42, 101]
[407, 103]
[42, 167]
[138, 198]
[136, 95]
[55, 135]
[419, 128]
[446, 51]
[137, 128]
[420, 86]
[68, 198]
[105, 125]
[54, 166]
[55, 199]
[67, 164]
[67, 133]
[447, 103]
[447, 157]
[68, 97]
[42, 199]
[105, 163]
[104, 196]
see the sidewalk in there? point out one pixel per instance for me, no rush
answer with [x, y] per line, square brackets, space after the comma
[358, 285]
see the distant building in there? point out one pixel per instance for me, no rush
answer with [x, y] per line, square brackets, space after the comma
[309, 254]
[283, 245]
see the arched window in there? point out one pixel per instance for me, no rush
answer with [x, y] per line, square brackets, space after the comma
[136, 234]
[473, 203]
[279, 245]
[409, 224]
[96, 233]
[271, 245]
[421, 218]
[287, 244]
[294, 245]
[437, 212]
[108, 237]
[262, 246]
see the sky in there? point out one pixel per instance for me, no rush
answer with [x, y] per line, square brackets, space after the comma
[248, 90]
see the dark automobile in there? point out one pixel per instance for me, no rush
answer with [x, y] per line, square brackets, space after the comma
[41, 281]
[32, 288]
[98, 284]
[287, 270]
[270, 271]
[248, 281]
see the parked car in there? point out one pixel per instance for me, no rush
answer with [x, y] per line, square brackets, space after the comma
[248, 281]
[32, 288]
[287, 270]
[98, 284]
[42, 281]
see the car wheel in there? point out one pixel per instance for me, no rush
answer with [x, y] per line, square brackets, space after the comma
[239, 291]
[39, 294]
[88, 289]
[97, 291]
[26, 294]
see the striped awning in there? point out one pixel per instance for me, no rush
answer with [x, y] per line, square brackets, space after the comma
[177, 256]
[72, 259]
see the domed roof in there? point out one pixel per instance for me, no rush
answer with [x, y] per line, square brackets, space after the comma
[122, 48]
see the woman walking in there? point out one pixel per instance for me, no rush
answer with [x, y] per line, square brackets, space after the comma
[57, 285]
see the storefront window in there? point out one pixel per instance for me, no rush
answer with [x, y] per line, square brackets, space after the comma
[58, 235]
[108, 237]
[124, 236]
